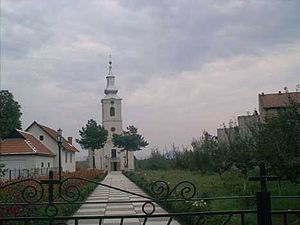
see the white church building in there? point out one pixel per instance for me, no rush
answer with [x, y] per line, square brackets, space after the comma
[109, 157]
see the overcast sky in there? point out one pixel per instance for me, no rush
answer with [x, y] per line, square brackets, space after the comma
[181, 66]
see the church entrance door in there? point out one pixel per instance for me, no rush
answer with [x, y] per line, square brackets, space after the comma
[115, 166]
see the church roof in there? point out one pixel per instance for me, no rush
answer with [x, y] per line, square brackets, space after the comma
[21, 142]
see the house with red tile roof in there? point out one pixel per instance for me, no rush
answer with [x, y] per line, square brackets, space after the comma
[36, 148]
[48, 137]
[21, 150]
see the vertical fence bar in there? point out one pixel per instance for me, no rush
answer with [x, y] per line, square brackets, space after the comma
[264, 208]
[285, 219]
[264, 215]
[242, 219]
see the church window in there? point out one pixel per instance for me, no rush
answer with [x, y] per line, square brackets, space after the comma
[112, 111]
[42, 164]
[113, 153]
[112, 102]
[113, 129]
[41, 138]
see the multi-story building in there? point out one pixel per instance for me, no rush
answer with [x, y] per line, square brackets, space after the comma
[269, 104]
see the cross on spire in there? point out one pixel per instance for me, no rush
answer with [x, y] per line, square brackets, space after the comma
[110, 65]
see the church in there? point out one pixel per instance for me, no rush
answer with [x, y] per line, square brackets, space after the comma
[110, 158]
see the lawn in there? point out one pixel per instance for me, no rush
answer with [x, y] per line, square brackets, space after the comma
[229, 184]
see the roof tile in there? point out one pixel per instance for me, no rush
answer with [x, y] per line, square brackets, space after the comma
[53, 134]
[27, 144]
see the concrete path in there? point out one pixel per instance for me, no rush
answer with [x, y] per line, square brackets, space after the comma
[117, 179]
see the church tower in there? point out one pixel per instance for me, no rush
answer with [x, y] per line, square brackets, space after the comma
[111, 158]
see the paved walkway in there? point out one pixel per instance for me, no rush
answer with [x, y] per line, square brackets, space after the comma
[117, 179]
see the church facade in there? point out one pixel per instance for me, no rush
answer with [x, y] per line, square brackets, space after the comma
[110, 158]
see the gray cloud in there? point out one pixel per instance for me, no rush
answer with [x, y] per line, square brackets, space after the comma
[181, 66]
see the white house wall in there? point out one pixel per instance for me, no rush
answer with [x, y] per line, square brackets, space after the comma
[26, 161]
[36, 131]
[69, 166]
[51, 144]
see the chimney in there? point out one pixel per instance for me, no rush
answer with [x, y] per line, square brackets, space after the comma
[70, 140]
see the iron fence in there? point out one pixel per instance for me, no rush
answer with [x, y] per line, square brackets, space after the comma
[12, 174]
[40, 194]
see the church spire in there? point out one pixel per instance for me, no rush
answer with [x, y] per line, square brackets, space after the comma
[111, 89]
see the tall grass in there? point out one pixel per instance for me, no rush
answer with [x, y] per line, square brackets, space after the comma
[211, 185]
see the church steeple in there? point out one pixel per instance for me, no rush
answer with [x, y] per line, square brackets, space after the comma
[111, 89]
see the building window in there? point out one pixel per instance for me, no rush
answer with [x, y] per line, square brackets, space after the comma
[48, 164]
[113, 153]
[41, 137]
[42, 164]
[66, 156]
[112, 111]
[112, 102]
[113, 129]
[71, 159]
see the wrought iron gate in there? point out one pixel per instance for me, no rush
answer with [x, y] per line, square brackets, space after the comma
[34, 194]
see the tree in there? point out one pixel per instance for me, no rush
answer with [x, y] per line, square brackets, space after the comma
[129, 140]
[156, 161]
[202, 149]
[93, 136]
[279, 143]
[10, 112]
[210, 155]
[241, 149]
[220, 158]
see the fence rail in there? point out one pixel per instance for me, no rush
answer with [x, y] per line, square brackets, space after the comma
[12, 174]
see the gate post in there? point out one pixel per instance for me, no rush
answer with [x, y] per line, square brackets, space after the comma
[264, 215]
[263, 198]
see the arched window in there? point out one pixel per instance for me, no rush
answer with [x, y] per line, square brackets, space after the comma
[113, 153]
[112, 111]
